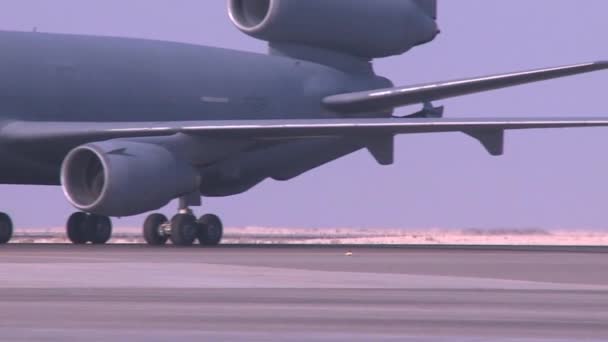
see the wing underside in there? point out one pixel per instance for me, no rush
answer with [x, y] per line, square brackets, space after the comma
[21, 131]
[375, 134]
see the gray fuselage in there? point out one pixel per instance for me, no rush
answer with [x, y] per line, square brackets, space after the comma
[63, 78]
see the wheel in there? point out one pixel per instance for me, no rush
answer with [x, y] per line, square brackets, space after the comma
[98, 229]
[6, 228]
[76, 228]
[183, 230]
[152, 233]
[210, 230]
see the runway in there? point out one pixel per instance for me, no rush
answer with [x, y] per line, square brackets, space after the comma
[137, 293]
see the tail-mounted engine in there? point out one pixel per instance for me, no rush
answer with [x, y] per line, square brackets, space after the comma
[363, 28]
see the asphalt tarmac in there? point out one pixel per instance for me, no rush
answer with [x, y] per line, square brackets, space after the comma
[137, 293]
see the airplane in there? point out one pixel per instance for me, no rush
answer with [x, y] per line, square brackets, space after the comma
[125, 125]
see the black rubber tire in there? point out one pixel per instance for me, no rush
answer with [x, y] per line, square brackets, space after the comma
[184, 230]
[99, 229]
[76, 228]
[211, 230]
[6, 228]
[151, 230]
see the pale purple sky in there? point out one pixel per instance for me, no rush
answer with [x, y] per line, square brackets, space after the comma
[550, 179]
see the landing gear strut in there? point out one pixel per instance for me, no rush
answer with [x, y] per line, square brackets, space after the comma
[83, 228]
[183, 229]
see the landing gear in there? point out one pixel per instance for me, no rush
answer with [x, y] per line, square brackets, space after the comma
[6, 228]
[76, 228]
[210, 230]
[100, 229]
[183, 229]
[155, 228]
[83, 228]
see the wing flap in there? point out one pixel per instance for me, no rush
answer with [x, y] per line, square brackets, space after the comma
[387, 99]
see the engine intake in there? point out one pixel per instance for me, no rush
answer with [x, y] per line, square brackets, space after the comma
[364, 28]
[124, 178]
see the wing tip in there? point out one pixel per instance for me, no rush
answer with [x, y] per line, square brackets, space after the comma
[601, 63]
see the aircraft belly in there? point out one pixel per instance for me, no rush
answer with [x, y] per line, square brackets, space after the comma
[18, 169]
[280, 162]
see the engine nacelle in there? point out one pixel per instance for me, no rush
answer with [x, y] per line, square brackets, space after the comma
[124, 178]
[364, 28]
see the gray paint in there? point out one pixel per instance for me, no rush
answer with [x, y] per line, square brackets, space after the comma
[383, 28]
[83, 78]
[78, 82]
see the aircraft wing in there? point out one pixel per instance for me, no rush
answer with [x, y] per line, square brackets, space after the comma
[376, 134]
[389, 98]
[49, 132]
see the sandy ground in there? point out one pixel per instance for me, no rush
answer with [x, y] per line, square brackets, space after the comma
[352, 236]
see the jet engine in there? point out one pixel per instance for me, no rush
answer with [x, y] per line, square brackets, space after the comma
[123, 178]
[364, 28]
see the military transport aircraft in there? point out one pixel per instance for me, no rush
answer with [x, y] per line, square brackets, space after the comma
[127, 125]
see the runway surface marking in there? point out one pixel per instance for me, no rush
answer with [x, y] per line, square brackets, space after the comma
[179, 275]
[134, 293]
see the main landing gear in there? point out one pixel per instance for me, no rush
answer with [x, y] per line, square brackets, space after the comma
[183, 229]
[6, 228]
[83, 228]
